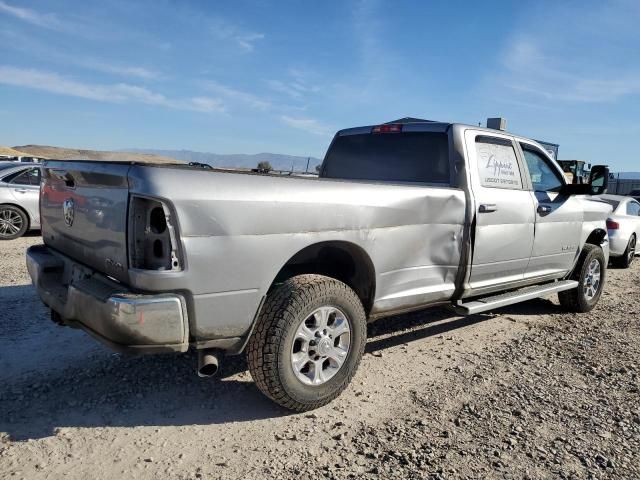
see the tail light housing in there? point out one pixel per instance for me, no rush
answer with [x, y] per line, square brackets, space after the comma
[153, 241]
[611, 225]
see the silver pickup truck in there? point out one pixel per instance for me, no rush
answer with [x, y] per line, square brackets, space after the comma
[403, 216]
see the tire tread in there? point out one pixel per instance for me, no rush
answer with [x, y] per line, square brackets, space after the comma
[279, 312]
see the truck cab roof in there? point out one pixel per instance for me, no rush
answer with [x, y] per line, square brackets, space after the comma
[423, 125]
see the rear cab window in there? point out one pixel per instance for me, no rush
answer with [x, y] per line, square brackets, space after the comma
[398, 157]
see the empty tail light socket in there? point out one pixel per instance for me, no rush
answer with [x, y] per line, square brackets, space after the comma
[153, 242]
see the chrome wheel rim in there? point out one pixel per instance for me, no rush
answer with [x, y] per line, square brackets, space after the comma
[10, 222]
[592, 279]
[321, 346]
[632, 249]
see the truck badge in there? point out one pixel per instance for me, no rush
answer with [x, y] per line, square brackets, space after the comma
[68, 210]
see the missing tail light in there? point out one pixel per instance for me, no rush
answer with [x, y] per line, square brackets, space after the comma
[152, 238]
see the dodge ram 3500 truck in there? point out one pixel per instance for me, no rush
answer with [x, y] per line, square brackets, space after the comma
[163, 258]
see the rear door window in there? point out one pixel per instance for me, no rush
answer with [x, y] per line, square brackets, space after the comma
[404, 157]
[26, 177]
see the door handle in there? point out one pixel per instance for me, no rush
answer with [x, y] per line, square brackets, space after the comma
[544, 209]
[20, 190]
[487, 207]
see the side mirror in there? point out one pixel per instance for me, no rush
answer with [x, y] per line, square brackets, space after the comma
[599, 179]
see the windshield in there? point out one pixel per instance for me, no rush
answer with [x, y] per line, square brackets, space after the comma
[416, 157]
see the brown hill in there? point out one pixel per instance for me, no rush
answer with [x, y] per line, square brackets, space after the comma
[11, 152]
[62, 153]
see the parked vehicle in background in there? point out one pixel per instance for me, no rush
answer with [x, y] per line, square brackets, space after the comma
[21, 159]
[623, 227]
[635, 194]
[403, 216]
[574, 170]
[19, 197]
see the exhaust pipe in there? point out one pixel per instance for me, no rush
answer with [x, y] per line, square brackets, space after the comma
[208, 363]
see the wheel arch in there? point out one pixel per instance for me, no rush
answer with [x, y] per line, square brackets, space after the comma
[596, 237]
[342, 260]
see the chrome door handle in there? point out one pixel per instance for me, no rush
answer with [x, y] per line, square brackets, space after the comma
[487, 207]
[544, 208]
[20, 190]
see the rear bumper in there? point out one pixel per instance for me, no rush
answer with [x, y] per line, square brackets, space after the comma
[618, 242]
[125, 321]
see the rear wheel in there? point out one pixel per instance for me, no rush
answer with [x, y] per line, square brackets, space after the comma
[308, 342]
[13, 222]
[629, 254]
[590, 274]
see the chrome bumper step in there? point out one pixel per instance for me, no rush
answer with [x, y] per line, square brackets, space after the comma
[479, 305]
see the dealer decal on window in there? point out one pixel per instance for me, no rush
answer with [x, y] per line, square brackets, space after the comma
[497, 165]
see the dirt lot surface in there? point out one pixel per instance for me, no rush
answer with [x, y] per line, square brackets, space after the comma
[527, 392]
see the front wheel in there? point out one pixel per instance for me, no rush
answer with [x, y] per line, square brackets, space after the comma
[308, 342]
[590, 273]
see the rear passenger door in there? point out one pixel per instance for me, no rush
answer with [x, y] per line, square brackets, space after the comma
[504, 211]
[558, 217]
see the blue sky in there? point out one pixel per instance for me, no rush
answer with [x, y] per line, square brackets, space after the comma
[256, 76]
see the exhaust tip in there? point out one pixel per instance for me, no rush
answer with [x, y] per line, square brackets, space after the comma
[208, 370]
[208, 364]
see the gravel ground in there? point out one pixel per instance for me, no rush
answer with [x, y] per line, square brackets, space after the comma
[527, 392]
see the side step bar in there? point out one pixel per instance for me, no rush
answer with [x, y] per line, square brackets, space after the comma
[479, 305]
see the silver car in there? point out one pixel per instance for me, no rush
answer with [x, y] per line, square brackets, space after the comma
[19, 197]
[623, 226]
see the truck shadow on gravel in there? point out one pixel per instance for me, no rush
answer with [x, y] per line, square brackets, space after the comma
[410, 327]
[104, 389]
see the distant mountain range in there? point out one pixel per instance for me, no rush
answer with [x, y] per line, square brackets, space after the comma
[239, 160]
[64, 153]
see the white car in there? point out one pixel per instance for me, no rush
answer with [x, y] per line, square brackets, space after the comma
[623, 226]
[19, 197]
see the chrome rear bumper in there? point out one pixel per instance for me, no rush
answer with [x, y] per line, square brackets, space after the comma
[124, 320]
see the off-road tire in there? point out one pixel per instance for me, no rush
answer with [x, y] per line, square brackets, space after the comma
[575, 300]
[269, 348]
[13, 211]
[625, 260]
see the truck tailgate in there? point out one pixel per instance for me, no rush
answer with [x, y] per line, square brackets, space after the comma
[83, 209]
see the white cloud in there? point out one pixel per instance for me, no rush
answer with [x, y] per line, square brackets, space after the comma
[247, 40]
[42, 51]
[225, 30]
[576, 55]
[46, 20]
[282, 87]
[114, 93]
[309, 125]
[114, 68]
[296, 86]
[230, 93]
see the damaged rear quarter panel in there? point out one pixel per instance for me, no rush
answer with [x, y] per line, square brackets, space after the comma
[238, 230]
